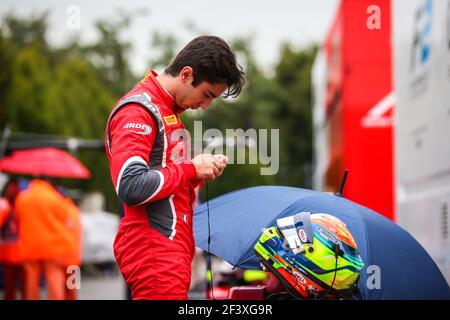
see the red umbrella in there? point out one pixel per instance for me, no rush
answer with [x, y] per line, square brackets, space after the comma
[50, 162]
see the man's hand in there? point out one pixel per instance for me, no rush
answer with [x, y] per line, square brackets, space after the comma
[209, 166]
[222, 160]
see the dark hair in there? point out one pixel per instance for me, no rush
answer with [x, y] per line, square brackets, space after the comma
[211, 60]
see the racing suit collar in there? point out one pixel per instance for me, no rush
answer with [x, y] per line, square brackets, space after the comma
[151, 81]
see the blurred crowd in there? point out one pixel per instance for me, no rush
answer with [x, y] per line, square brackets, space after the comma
[40, 241]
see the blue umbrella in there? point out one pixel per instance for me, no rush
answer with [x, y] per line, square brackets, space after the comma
[396, 265]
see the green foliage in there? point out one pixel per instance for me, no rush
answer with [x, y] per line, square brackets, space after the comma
[54, 91]
[109, 55]
[294, 114]
[165, 44]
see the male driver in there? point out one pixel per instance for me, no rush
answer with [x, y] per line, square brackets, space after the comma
[154, 246]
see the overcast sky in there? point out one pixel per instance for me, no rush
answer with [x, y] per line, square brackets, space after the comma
[301, 22]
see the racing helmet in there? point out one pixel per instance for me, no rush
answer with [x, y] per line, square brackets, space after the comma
[314, 256]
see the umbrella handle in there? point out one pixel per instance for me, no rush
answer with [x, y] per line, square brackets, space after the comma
[210, 283]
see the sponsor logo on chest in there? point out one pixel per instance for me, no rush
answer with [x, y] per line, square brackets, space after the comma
[171, 120]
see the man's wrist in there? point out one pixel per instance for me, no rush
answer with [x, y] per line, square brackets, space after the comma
[189, 170]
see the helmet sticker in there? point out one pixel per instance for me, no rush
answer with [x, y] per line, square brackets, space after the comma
[302, 235]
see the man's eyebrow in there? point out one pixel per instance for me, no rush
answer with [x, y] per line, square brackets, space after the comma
[213, 95]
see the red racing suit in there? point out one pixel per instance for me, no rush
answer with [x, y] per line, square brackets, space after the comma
[147, 148]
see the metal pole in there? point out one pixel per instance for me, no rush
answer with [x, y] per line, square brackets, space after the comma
[5, 136]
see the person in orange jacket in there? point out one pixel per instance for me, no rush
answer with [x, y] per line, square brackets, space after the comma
[44, 238]
[9, 247]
